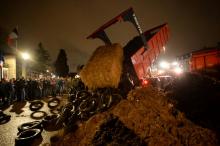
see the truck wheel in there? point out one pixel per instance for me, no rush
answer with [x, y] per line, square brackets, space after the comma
[83, 94]
[50, 121]
[88, 105]
[30, 125]
[38, 115]
[36, 105]
[53, 103]
[54, 111]
[4, 119]
[106, 100]
[27, 136]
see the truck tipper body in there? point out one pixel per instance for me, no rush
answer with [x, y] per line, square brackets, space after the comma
[141, 51]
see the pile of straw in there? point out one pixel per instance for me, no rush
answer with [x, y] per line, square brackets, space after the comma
[104, 68]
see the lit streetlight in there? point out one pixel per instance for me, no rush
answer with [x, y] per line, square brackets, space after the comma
[25, 56]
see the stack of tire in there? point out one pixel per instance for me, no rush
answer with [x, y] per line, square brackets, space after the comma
[83, 104]
[28, 132]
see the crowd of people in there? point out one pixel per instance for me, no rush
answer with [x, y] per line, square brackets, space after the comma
[30, 89]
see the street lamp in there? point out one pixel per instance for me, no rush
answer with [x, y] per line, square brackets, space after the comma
[25, 56]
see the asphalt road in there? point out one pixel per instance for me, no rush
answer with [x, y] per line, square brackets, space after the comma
[20, 113]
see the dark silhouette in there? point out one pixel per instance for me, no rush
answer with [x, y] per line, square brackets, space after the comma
[42, 59]
[61, 67]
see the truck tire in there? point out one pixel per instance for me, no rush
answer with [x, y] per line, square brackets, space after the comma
[27, 136]
[4, 119]
[34, 115]
[30, 125]
[83, 94]
[54, 102]
[88, 105]
[50, 121]
[36, 105]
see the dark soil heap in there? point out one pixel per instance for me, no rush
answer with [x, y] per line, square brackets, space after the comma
[113, 132]
[148, 116]
[198, 96]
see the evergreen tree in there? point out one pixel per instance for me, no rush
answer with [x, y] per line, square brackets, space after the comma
[42, 59]
[61, 67]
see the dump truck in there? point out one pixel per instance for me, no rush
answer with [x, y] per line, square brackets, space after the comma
[141, 51]
[205, 58]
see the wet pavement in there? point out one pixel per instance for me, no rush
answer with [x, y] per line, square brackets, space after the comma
[20, 113]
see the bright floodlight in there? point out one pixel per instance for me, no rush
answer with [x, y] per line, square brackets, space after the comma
[178, 70]
[161, 72]
[164, 65]
[25, 55]
[175, 63]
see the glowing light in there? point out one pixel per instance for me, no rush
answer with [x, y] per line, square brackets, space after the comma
[25, 55]
[164, 65]
[175, 63]
[144, 83]
[178, 70]
[161, 71]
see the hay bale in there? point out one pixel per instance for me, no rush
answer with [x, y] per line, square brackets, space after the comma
[104, 68]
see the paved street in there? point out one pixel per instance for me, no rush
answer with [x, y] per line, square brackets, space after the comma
[20, 113]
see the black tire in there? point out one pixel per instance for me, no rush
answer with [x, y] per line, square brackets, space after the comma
[27, 136]
[30, 125]
[69, 106]
[83, 94]
[65, 114]
[54, 111]
[36, 105]
[50, 120]
[106, 101]
[89, 105]
[72, 91]
[33, 115]
[53, 103]
[4, 119]
[71, 98]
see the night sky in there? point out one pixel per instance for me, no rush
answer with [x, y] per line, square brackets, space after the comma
[66, 24]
